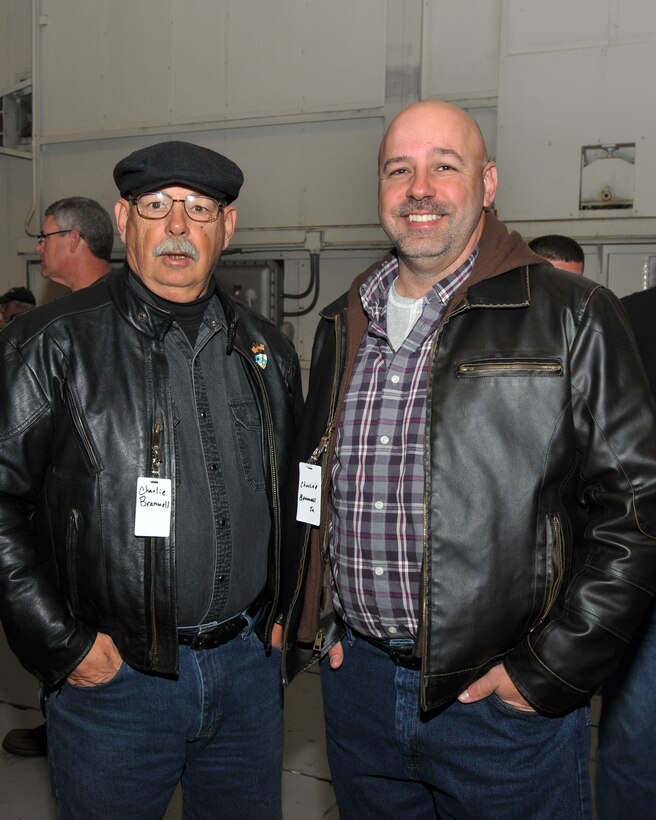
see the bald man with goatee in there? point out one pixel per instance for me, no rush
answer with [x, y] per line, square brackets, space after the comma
[465, 401]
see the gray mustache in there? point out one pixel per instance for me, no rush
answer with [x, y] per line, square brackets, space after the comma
[177, 245]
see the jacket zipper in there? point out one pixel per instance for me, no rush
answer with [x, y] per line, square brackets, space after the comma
[71, 557]
[424, 572]
[156, 461]
[314, 459]
[268, 422]
[555, 566]
[511, 367]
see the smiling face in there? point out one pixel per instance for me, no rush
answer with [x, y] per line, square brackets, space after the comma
[174, 256]
[434, 180]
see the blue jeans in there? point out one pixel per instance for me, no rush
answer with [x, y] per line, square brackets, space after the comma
[482, 761]
[118, 750]
[626, 761]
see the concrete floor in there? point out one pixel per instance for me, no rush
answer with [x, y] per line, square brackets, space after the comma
[307, 792]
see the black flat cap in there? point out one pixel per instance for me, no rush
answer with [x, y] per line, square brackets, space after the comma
[18, 295]
[179, 163]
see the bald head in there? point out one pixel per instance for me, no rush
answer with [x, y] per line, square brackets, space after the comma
[434, 181]
[435, 116]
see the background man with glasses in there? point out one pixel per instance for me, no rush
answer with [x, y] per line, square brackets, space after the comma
[75, 243]
[143, 457]
[75, 246]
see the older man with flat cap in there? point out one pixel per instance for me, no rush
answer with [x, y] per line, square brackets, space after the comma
[144, 443]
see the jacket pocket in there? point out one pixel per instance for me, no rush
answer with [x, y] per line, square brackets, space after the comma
[509, 367]
[81, 430]
[248, 427]
[72, 538]
[554, 564]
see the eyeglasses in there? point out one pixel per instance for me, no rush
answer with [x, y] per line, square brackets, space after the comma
[158, 205]
[41, 238]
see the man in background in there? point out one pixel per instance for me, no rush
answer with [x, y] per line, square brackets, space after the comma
[75, 246]
[15, 301]
[563, 252]
[626, 764]
[75, 243]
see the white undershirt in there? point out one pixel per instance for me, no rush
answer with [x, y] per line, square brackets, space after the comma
[402, 315]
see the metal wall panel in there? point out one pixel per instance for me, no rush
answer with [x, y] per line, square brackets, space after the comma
[556, 26]
[566, 81]
[312, 174]
[460, 54]
[15, 42]
[547, 111]
[15, 195]
[125, 65]
[306, 57]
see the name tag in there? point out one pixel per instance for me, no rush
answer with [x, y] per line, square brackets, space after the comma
[153, 507]
[309, 494]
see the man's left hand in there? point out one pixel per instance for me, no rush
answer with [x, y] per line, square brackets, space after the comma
[496, 681]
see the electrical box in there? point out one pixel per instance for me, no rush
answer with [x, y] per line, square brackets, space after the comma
[256, 284]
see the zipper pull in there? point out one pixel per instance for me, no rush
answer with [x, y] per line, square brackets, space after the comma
[156, 449]
[318, 641]
[321, 447]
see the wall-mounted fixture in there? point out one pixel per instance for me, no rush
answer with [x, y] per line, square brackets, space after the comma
[16, 119]
[607, 176]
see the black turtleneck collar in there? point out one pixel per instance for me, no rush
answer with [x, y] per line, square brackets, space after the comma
[188, 315]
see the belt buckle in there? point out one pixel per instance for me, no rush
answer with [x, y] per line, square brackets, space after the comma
[404, 656]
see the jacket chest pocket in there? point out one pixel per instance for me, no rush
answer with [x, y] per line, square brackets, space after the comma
[480, 368]
[248, 427]
[71, 401]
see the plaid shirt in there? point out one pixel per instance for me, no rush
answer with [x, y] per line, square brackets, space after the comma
[377, 523]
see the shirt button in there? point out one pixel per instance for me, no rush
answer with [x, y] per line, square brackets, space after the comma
[396, 379]
[223, 522]
[392, 630]
[379, 505]
[384, 439]
[203, 414]
[379, 570]
[221, 578]
[213, 468]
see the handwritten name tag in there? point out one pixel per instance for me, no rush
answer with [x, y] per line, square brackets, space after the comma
[309, 494]
[153, 510]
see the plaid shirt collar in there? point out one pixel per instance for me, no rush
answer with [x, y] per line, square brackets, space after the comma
[374, 291]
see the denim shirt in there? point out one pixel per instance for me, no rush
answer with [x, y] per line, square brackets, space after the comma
[222, 519]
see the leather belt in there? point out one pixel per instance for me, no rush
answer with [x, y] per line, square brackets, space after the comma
[222, 633]
[401, 655]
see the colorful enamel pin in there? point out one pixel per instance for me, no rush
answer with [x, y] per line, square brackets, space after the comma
[260, 355]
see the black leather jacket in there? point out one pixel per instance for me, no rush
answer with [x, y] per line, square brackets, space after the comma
[540, 494]
[85, 399]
